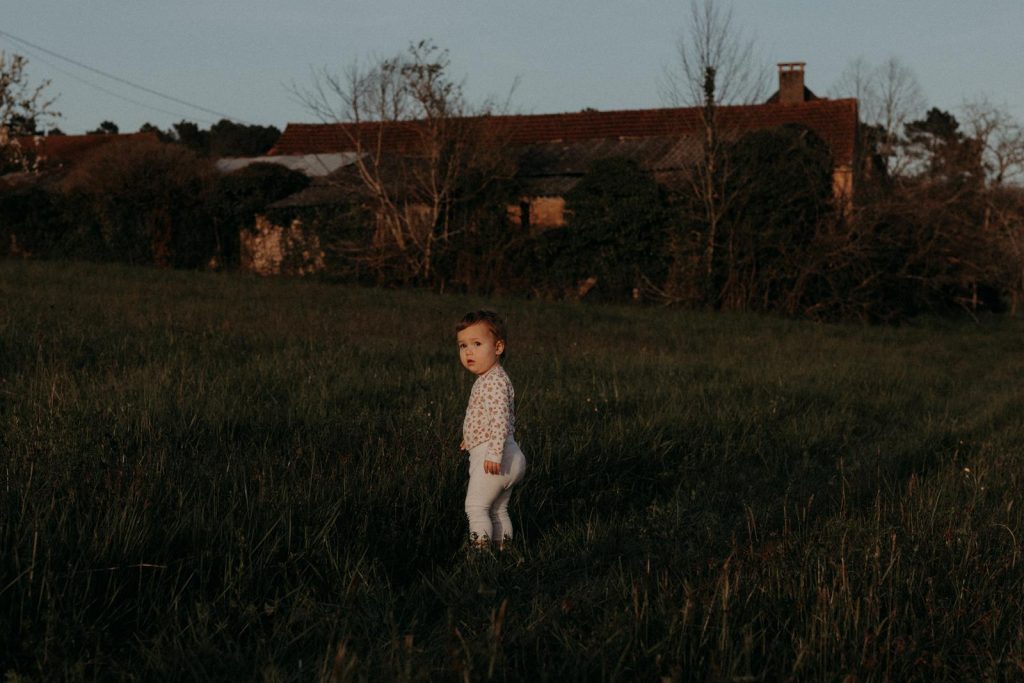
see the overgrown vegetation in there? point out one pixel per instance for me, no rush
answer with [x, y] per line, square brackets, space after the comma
[943, 236]
[238, 197]
[618, 232]
[423, 155]
[753, 222]
[142, 202]
[217, 476]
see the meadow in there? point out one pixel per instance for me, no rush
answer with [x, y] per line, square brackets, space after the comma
[217, 477]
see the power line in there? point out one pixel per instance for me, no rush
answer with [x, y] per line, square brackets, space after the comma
[119, 79]
[111, 92]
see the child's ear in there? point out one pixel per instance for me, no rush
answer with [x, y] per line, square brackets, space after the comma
[499, 348]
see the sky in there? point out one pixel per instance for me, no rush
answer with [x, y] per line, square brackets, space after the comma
[240, 58]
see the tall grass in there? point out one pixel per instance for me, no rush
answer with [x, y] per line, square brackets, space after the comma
[219, 477]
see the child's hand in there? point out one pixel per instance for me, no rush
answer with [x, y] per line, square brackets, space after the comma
[491, 467]
[462, 445]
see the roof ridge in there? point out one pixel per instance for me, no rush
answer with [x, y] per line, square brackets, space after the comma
[834, 120]
[809, 104]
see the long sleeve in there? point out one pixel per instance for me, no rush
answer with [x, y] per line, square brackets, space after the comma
[490, 415]
[499, 418]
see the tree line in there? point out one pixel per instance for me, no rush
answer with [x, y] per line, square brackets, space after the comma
[222, 139]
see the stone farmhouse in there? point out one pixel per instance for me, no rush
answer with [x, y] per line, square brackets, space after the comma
[553, 151]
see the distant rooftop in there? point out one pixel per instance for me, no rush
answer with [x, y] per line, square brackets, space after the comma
[60, 150]
[834, 120]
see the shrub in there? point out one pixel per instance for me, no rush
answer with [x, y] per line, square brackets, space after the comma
[237, 197]
[33, 222]
[144, 202]
[618, 220]
[919, 252]
[776, 201]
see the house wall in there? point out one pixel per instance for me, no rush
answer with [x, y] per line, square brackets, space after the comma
[842, 188]
[271, 249]
[544, 212]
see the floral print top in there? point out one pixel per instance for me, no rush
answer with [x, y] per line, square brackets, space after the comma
[491, 413]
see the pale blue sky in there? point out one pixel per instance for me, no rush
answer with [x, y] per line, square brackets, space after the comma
[238, 57]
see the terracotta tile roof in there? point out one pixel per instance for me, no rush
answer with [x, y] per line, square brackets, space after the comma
[61, 150]
[834, 120]
[654, 153]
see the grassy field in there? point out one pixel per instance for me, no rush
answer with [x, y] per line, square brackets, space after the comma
[218, 477]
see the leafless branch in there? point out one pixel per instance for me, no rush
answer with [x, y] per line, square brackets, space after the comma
[711, 40]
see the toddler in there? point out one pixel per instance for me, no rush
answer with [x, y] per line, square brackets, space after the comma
[495, 462]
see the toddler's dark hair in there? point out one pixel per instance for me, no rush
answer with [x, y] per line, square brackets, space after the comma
[494, 323]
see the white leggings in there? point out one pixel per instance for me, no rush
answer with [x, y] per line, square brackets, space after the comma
[487, 494]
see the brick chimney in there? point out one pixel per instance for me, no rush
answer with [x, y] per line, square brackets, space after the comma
[791, 82]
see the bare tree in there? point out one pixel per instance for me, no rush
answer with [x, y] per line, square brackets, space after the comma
[899, 99]
[1001, 139]
[858, 80]
[23, 107]
[416, 140]
[716, 65]
[712, 43]
[889, 96]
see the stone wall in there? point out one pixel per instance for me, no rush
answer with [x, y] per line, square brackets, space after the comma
[270, 249]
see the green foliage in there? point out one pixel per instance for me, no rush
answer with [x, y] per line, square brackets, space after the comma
[944, 155]
[211, 476]
[617, 230]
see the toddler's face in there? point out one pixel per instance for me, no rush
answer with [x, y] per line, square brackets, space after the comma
[478, 349]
